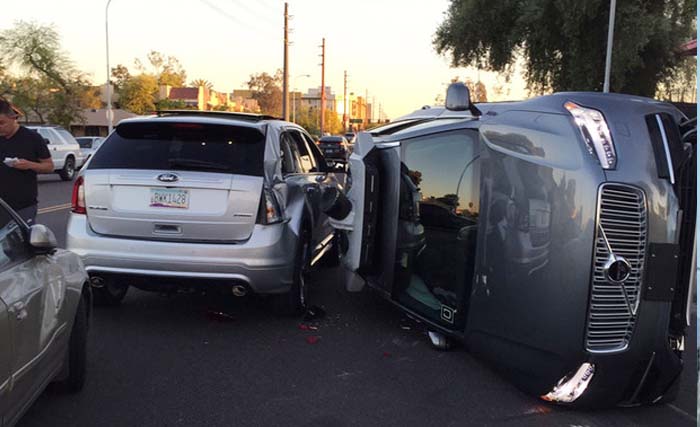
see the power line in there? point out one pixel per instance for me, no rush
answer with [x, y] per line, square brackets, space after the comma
[226, 14]
[254, 13]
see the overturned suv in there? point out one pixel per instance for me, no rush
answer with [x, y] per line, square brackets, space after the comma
[203, 201]
[554, 237]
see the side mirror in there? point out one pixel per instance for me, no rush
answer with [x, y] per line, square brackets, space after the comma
[46, 141]
[334, 203]
[41, 237]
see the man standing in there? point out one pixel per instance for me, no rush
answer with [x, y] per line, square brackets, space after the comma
[24, 155]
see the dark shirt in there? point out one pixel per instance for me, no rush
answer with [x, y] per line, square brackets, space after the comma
[19, 187]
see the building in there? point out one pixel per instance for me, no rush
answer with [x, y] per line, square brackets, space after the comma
[312, 99]
[96, 123]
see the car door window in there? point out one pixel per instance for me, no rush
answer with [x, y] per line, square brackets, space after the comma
[316, 152]
[55, 138]
[13, 244]
[289, 160]
[294, 163]
[439, 207]
[307, 162]
[66, 136]
[46, 135]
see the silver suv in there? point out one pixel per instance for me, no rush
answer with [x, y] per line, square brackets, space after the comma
[65, 150]
[231, 200]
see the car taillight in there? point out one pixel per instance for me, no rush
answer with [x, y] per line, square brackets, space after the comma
[78, 198]
[269, 212]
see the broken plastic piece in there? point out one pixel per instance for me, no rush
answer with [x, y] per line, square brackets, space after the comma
[220, 316]
[314, 313]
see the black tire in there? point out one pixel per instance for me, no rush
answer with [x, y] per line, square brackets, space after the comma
[76, 354]
[110, 293]
[294, 302]
[68, 171]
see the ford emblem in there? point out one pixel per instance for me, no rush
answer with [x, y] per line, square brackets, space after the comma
[168, 177]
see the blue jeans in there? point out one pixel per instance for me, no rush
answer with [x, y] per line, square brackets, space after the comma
[28, 214]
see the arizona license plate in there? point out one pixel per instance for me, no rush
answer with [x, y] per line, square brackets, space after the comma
[169, 198]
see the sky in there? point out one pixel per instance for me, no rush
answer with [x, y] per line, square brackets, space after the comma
[384, 45]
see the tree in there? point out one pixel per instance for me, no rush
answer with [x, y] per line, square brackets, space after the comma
[332, 123]
[167, 70]
[138, 94]
[308, 118]
[120, 74]
[202, 83]
[681, 85]
[48, 85]
[562, 42]
[172, 104]
[267, 90]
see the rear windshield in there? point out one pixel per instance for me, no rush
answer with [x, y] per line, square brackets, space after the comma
[183, 146]
[84, 142]
[330, 140]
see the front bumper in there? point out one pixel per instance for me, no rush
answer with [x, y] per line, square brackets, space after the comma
[264, 263]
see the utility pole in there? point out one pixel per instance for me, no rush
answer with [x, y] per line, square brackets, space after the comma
[323, 84]
[345, 100]
[285, 78]
[110, 114]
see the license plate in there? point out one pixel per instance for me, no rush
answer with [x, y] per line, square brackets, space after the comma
[169, 198]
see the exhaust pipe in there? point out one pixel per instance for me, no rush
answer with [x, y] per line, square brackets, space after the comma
[239, 290]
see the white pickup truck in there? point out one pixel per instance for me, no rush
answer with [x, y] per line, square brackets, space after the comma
[64, 149]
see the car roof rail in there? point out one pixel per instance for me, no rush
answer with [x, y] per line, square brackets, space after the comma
[222, 114]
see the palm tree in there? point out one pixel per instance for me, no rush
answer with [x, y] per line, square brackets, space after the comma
[202, 82]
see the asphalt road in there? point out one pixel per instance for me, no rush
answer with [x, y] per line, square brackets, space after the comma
[161, 361]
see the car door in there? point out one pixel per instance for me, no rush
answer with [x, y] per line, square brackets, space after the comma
[301, 177]
[28, 288]
[5, 359]
[71, 146]
[420, 209]
[55, 146]
[328, 177]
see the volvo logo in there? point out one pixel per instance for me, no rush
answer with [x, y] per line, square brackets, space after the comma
[617, 269]
[168, 177]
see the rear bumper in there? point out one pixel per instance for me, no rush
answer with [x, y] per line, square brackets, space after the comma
[265, 263]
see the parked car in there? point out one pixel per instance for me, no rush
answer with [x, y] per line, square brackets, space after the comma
[554, 237]
[65, 150]
[205, 201]
[88, 145]
[334, 148]
[44, 315]
[350, 136]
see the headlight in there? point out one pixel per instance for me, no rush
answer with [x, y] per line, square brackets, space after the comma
[595, 132]
[571, 387]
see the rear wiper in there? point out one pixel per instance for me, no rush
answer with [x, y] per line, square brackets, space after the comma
[197, 164]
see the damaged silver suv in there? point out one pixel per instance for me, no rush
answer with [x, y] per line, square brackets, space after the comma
[204, 201]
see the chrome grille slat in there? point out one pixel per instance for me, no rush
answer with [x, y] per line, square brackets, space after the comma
[622, 214]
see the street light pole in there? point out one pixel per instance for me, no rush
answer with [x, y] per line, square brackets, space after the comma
[109, 87]
[608, 56]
